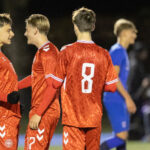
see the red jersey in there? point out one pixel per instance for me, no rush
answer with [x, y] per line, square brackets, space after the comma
[43, 64]
[8, 83]
[86, 69]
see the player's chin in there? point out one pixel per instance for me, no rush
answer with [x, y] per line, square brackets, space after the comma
[132, 42]
[8, 42]
[29, 42]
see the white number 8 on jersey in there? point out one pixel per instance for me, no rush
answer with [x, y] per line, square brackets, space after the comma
[87, 77]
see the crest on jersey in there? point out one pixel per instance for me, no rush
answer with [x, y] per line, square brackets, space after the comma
[46, 48]
[8, 143]
[124, 124]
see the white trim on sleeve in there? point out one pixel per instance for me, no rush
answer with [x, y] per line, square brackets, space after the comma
[54, 77]
[111, 82]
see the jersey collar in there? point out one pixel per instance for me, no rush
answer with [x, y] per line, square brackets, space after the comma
[44, 44]
[83, 41]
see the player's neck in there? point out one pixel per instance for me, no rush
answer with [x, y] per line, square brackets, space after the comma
[123, 42]
[86, 36]
[41, 41]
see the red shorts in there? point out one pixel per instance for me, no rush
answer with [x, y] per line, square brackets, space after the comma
[9, 131]
[79, 138]
[40, 139]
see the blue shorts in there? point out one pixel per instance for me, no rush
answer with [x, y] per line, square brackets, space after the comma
[118, 114]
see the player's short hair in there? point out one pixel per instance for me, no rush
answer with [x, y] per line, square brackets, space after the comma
[85, 19]
[5, 19]
[39, 21]
[122, 24]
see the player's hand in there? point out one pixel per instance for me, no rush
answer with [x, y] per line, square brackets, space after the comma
[130, 105]
[13, 97]
[34, 121]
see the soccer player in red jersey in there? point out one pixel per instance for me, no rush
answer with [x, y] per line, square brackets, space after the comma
[9, 106]
[38, 137]
[85, 70]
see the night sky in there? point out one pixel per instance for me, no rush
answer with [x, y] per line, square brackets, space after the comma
[59, 8]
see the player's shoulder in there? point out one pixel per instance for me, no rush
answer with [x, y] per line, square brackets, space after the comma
[48, 47]
[116, 49]
[104, 53]
[67, 46]
[101, 49]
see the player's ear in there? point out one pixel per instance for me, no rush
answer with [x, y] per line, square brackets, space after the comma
[36, 31]
[93, 27]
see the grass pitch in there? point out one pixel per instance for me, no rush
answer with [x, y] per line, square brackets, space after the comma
[131, 145]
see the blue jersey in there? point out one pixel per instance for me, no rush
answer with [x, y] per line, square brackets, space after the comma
[114, 102]
[119, 58]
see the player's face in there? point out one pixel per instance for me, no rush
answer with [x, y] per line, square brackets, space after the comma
[6, 34]
[130, 35]
[30, 34]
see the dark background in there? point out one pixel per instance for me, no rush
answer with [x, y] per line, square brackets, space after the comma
[60, 14]
[61, 32]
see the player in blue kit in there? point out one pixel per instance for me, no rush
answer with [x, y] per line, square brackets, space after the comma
[119, 105]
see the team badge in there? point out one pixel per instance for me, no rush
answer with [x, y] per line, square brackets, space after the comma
[8, 143]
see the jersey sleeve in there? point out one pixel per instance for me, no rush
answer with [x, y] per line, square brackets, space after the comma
[117, 57]
[24, 83]
[61, 67]
[111, 77]
[55, 74]
[49, 59]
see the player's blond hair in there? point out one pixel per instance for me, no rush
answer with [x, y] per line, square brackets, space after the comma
[39, 21]
[84, 18]
[122, 24]
[5, 19]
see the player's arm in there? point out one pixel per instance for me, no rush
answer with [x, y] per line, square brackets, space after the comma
[24, 83]
[129, 101]
[12, 97]
[53, 83]
[111, 87]
[48, 97]
[52, 64]
[111, 76]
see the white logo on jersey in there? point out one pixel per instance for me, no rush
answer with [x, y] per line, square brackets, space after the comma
[2, 134]
[66, 138]
[65, 134]
[66, 141]
[2, 128]
[40, 131]
[39, 137]
[124, 124]
[46, 48]
[8, 143]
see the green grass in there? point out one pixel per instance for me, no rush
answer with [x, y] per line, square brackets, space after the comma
[52, 148]
[138, 146]
[131, 145]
